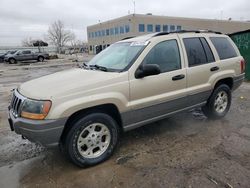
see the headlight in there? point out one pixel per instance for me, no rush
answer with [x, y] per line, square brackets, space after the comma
[33, 109]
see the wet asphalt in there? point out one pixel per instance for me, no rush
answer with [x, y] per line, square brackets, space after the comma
[186, 150]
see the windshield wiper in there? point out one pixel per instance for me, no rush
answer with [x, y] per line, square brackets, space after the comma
[98, 67]
[83, 66]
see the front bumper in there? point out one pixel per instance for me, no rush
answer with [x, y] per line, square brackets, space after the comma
[44, 132]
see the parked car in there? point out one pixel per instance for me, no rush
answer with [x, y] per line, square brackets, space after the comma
[25, 55]
[4, 54]
[131, 83]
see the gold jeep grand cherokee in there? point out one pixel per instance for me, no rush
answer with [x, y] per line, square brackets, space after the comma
[131, 83]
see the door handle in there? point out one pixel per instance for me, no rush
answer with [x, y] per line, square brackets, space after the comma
[178, 77]
[214, 69]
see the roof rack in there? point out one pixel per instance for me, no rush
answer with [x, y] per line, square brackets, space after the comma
[187, 31]
[127, 38]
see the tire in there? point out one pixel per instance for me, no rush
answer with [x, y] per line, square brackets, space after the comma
[12, 61]
[91, 140]
[40, 59]
[218, 103]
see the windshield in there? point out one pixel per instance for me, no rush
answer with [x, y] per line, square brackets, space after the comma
[117, 57]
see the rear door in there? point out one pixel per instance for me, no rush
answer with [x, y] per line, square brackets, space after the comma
[201, 65]
[26, 55]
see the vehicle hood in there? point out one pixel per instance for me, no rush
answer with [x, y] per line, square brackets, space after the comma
[9, 55]
[66, 83]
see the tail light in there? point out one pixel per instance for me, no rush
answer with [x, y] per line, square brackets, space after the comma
[242, 66]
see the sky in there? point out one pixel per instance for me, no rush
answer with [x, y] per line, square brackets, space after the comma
[20, 19]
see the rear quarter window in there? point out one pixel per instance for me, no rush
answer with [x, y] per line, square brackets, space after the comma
[223, 47]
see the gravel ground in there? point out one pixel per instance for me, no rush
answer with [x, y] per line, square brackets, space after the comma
[186, 150]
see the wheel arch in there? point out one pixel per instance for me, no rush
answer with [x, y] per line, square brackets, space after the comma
[11, 58]
[227, 81]
[110, 109]
[40, 56]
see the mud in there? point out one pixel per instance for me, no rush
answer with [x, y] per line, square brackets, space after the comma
[186, 150]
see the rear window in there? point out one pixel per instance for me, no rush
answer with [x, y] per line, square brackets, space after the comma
[224, 47]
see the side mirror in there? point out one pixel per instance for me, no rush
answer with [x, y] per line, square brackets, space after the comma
[147, 70]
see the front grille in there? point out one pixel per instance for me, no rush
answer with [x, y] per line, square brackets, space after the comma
[16, 103]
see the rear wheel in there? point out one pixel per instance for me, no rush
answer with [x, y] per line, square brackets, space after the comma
[91, 140]
[218, 103]
[40, 58]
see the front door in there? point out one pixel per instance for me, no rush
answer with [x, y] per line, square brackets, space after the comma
[158, 95]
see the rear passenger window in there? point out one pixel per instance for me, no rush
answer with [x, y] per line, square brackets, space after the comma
[224, 47]
[26, 52]
[198, 51]
[209, 54]
[166, 55]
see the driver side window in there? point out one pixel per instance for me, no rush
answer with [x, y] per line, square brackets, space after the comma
[166, 55]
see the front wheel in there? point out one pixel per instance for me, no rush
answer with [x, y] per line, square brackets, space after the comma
[12, 61]
[92, 139]
[218, 103]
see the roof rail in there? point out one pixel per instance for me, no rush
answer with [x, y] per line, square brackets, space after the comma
[127, 38]
[187, 31]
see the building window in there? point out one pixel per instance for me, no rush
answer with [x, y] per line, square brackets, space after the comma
[121, 29]
[89, 35]
[93, 35]
[172, 27]
[96, 34]
[141, 28]
[116, 31]
[99, 34]
[178, 28]
[112, 31]
[103, 33]
[107, 32]
[149, 28]
[157, 28]
[165, 28]
[127, 28]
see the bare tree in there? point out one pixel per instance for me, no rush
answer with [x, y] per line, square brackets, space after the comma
[27, 42]
[58, 35]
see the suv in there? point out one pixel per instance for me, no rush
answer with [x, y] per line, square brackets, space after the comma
[133, 82]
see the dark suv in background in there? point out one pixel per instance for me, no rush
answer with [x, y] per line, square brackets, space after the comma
[2, 56]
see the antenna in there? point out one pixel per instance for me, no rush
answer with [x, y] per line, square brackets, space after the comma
[134, 5]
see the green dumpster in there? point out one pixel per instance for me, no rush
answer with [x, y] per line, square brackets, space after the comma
[242, 40]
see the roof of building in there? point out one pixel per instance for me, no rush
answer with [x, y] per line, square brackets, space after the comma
[165, 17]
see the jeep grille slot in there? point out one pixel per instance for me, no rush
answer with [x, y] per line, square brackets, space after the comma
[15, 104]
